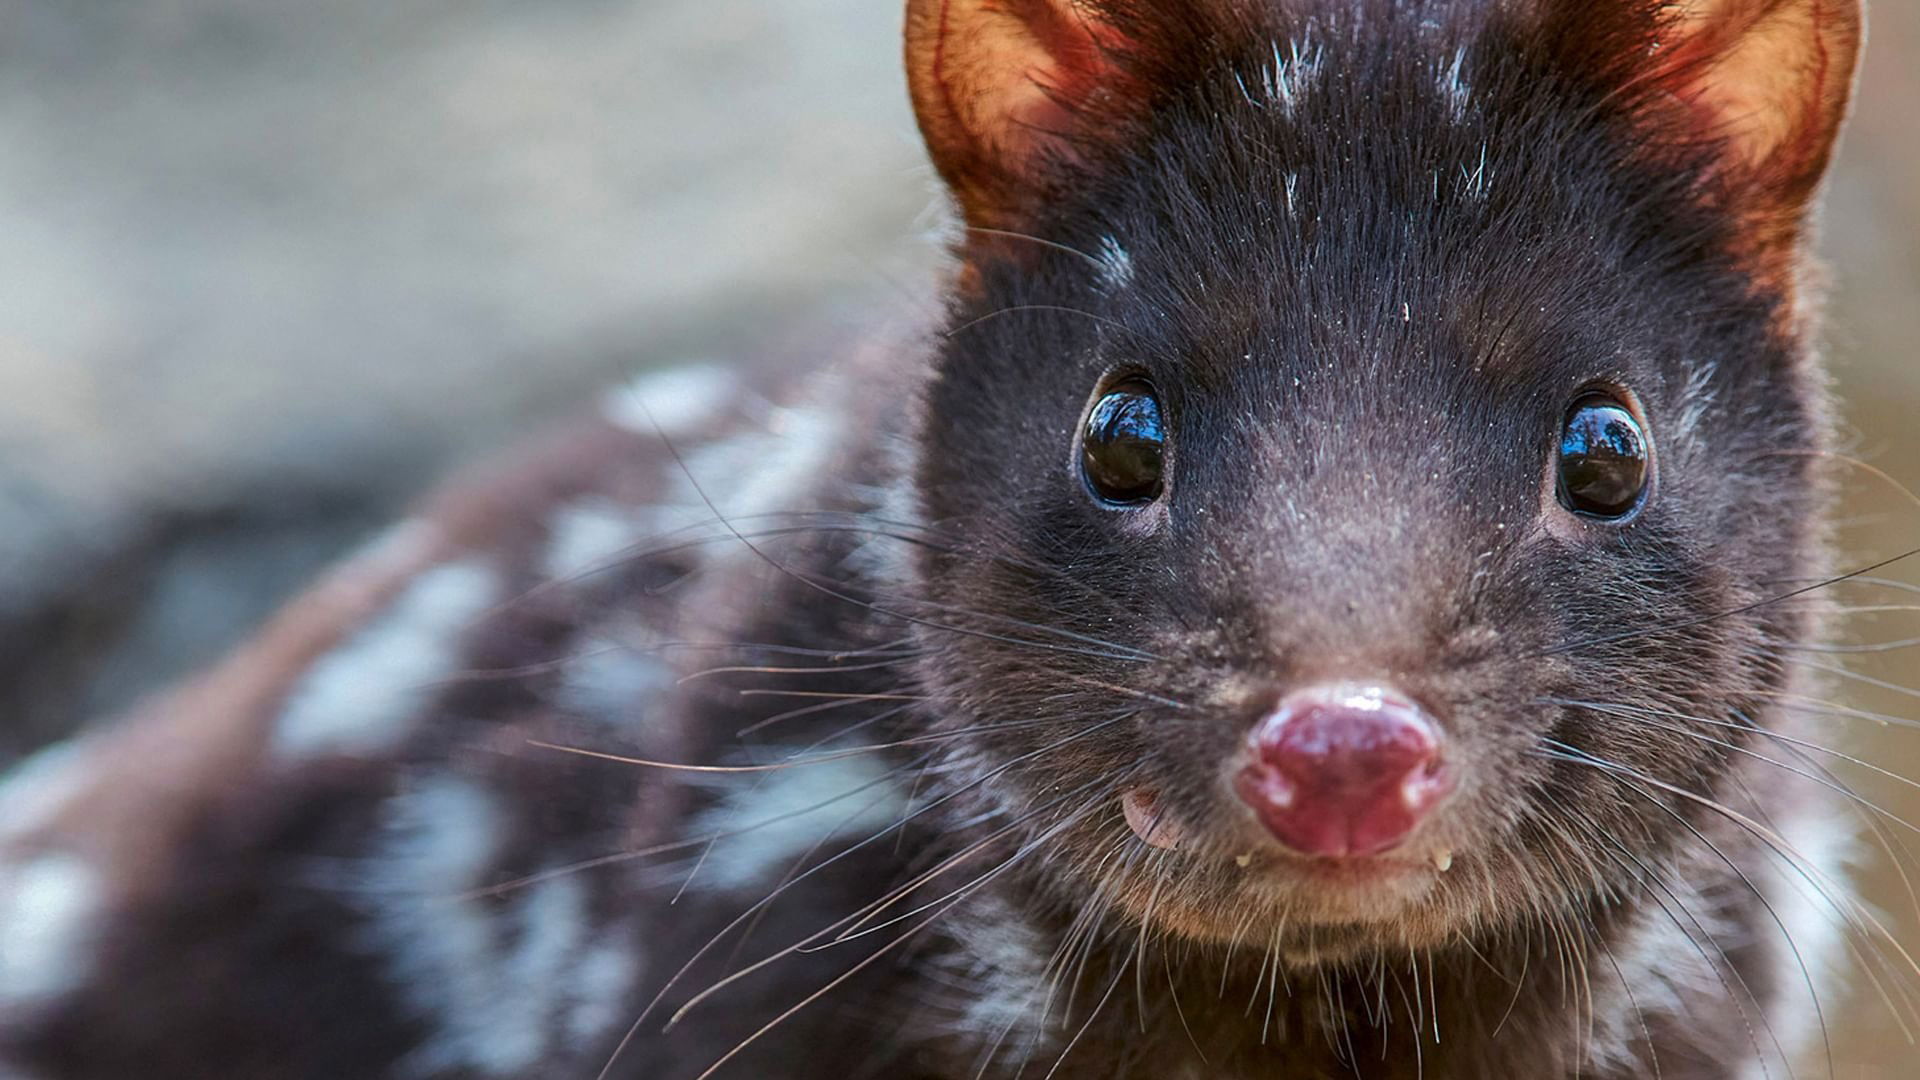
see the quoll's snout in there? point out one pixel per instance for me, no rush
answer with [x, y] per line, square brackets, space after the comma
[1343, 770]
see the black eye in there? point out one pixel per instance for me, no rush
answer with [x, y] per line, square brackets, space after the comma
[1605, 461]
[1123, 451]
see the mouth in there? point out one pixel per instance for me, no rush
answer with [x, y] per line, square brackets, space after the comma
[1320, 906]
[1154, 826]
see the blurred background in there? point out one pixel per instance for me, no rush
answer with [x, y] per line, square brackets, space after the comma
[268, 268]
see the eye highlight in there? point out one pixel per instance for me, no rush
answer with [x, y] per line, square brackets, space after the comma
[1605, 459]
[1123, 447]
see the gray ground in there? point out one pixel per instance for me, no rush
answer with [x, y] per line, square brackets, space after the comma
[270, 266]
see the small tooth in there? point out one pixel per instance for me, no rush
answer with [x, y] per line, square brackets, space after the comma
[1243, 861]
[1442, 859]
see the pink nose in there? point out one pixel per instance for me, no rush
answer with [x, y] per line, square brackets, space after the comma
[1343, 770]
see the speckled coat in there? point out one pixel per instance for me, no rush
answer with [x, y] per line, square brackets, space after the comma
[690, 742]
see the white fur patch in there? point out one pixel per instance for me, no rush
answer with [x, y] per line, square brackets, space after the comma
[881, 556]
[1001, 973]
[360, 698]
[505, 984]
[1697, 403]
[801, 442]
[1663, 970]
[48, 906]
[1475, 178]
[607, 680]
[1816, 928]
[753, 479]
[39, 786]
[1667, 973]
[440, 837]
[1293, 73]
[602, 977]
[675, 402]
[591, 535]
[1454, 89]
[765, 824]
[1116, 265]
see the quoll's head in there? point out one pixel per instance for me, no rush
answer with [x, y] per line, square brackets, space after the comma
[1364, 435]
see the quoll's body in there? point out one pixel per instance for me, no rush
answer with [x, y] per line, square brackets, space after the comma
[1325, 603]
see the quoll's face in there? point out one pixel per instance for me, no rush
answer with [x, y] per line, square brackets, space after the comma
[1358, 514]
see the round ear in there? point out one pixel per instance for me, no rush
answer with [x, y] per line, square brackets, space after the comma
[1003, 90]
[1767, 82]
[1775, 76]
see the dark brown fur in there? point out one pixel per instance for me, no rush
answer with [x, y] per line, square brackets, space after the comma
[1368, 252]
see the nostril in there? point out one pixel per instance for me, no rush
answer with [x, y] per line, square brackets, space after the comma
[1343, 770]
[1327, 743]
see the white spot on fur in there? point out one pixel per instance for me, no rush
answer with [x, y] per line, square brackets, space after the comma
[591, 535]
[882, 556]
[1815, 926]
[764, 825]
[1244, 92]
[759, 473]
[1475, 180]
[504, 985]
[607, 680]
[38, 787]
[755, 482]
[1668, 974]
[601, 981]
[441, 836]
[675, 402]
[359, 698]
[1116, 265]
[1663, 968]
[1293, 73]
[47, 910]
[1001, 974]
[1291, 185]
[1454, 89]
[1697, 402]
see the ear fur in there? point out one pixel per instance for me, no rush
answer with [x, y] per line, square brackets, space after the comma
[1000, 88]
[1766, 83]
[1776, 75]
[1015, 96]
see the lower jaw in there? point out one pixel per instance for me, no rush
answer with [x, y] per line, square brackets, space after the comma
[1309, 912]
[1321, 946]
[1304, 945]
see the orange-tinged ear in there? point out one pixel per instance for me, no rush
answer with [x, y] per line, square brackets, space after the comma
[1770, 80]
[1001, 88]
